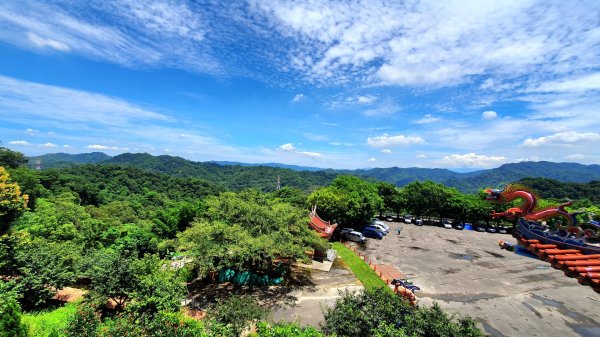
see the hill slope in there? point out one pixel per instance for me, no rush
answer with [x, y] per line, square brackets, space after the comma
[54, 160]
[240, 176]
[234, 177]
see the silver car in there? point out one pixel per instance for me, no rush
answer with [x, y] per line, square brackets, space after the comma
[355, 236]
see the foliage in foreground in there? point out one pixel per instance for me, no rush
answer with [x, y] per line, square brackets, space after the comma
[48, 322]
[10, 315]
[374, 312]
[238, 312]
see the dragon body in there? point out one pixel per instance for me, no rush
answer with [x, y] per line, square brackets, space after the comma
[528, 209]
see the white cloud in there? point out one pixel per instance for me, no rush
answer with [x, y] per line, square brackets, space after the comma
[22, 99]
[19, 142]
[435, 43]
[32, 132]
[42, 42]
[583, 83]
[473, 160]
[372, 160]
[398, 140]
[48, 145]
[298, 98]
[365, 99]
[489, 115]
[131, 33]
[386, 151]
[421, 156]
[385, 109]
[287, 147]
[562, 138]
[341, 144]
[315, 155]
[428, 119]
[101, 147]
[67, 146]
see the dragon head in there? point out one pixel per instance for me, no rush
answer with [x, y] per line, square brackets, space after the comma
[493, 195]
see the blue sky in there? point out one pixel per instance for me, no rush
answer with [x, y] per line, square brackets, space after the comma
[451, 84]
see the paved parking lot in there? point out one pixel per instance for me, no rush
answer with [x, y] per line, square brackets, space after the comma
[508, 294]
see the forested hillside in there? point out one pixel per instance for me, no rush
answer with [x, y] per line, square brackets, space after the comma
[550, 188]
[231, 177]
[239, 176]
[498, 177]
[54, 160]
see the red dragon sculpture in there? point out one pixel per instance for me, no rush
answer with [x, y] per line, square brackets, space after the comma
[528, 209]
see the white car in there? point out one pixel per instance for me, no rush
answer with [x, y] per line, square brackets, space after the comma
[375, 221]
[447, 225]
[378, 227]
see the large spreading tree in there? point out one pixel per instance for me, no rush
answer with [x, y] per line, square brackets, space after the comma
[349, 201]
[248, 231]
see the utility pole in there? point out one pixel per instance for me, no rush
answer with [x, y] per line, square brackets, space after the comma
[278, 183]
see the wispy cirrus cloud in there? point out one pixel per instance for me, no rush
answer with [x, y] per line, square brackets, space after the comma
[28, 100]
[435, 43]
[428, 119]
[563, 139]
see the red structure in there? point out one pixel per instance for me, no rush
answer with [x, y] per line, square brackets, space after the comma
[325, 228]
[585, 268]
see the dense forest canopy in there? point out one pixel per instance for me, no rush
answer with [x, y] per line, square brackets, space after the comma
[239, 176]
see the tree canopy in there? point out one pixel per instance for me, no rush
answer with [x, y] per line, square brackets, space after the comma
[348, 200]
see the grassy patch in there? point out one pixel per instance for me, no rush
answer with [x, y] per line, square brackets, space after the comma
[41, 324]
[360, 268]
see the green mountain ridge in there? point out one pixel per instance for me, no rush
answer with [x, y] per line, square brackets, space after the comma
[241, 176]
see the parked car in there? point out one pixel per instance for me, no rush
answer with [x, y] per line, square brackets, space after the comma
[479, 228]
[355, 236]
[419, 222]
[372, 233]
[490, 229]
[459, 226]
[447, 225]
[502, 230]
[375, 221]
[384, 228]
[389, 218]
[377, 228]
[407, 219]
[344, 230]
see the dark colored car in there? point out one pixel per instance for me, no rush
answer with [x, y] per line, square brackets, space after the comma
[491, 229]
[458, 226]
[479, 228]
[372, 233]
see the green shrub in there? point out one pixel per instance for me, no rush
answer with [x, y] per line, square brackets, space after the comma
[237, 312]
[375, 312]
[10, 316]
[282, 329]
[84, 323]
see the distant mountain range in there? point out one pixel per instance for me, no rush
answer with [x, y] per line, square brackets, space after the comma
[309, 177]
